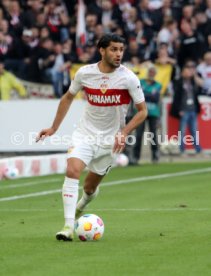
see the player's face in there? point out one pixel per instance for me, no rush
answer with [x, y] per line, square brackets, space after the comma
[113, 54]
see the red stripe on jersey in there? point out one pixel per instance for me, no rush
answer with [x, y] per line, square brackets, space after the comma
[109, 98]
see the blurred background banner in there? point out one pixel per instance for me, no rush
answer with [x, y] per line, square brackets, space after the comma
[21, 120]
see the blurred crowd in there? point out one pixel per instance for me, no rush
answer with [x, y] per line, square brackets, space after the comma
[168, 46]
[37, 37]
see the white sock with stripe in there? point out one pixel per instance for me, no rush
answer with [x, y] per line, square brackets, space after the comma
[70, 197]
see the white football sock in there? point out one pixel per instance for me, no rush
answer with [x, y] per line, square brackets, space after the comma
[70, 197]
[85, 199]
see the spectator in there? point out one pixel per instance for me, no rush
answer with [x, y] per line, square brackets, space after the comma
[167, 11]
[169, 34]
[107, 16]
[44, 33]
[31, 14]
[124, 6]
[41, 21]
[185, 104]
[189, 44]
[165, 65]
[42, 59]
[203, 28]
[57, 19]
[142, 36]
[14, 15]
[208, 9]
[91, 23]
[19, 53]
[9, 82]
[187, 13]
[133, 50]
[200, 5]
[130, 24]
[204, 70]
[59, 73]
[99, 31]
[6, 42]
[151, 89]
[145, 14]
[208, 48]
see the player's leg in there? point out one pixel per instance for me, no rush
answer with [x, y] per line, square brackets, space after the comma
[138, 145]
[91, 190]
[75, 166]
[98, 167]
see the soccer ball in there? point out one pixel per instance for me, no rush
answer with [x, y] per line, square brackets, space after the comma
[89, 227]
[11, 173]
[122, 160]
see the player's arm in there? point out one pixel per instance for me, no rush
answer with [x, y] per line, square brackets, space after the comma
[64, 106]
[137, 95]
[62, 110]
[139, 117]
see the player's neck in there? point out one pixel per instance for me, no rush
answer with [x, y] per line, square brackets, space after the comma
[105, 68]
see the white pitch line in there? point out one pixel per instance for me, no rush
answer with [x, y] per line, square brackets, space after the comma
[112, 183]
[30, 195]
[30, 183]
[154, 177]
[151, 209]
[176, 209]
[143, 178]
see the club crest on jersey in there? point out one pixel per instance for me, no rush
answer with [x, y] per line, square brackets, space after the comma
[103, 87]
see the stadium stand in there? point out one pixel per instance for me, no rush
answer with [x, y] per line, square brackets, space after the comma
[38, 38]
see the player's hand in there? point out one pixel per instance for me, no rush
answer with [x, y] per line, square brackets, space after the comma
[120, 142]
[45, 133]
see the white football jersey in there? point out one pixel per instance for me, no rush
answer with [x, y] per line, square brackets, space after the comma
[108, 97]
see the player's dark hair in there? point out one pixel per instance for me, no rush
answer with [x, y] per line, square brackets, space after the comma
[105, 40]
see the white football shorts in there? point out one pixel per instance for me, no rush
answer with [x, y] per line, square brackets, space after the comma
[97, 159]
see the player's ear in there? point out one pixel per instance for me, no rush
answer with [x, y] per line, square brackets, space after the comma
[102, 51]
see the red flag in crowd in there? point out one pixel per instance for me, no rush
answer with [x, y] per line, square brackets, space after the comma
[81, 28]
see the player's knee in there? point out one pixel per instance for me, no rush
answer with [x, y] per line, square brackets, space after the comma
[73, 172]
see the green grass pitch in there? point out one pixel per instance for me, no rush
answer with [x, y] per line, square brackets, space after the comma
[157, 222]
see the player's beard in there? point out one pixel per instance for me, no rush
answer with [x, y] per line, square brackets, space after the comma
[112, 63]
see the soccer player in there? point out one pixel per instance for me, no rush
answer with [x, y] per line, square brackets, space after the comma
[109, 87]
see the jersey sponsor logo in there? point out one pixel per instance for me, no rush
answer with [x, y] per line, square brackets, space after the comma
[112, 97]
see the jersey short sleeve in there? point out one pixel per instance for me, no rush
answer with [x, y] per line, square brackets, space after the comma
[134, 89]
[76, 83]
